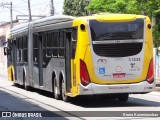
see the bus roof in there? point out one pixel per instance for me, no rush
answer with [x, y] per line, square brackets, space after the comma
[54, 19]
[47, 20]
[64, 18]
[113, 17]
[19, 28]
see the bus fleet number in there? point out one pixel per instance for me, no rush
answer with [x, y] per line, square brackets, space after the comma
[134, 59]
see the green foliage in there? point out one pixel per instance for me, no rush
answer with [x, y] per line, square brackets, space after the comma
[147, 7]
[75, 7]
[150, 8]
[156, 35]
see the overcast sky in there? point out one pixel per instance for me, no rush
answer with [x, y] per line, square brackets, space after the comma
[20, 7]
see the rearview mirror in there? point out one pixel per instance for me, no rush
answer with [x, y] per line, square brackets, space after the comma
[6, 51]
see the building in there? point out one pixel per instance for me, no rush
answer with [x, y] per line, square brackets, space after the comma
[4, 27]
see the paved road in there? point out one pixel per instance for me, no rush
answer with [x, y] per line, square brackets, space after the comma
[13, 98]
[17, 104]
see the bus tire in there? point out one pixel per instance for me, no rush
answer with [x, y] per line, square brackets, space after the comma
[56, 95]
[26, 87]
[123, 97]
[65, 98]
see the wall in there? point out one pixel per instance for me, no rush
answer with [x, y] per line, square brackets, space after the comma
[3, 59]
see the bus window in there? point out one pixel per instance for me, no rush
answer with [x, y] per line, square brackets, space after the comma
[49, 45]
[25, 48]
[74, 41]
[55, 44]
[102, 31]
[35, 49]
[18, 52]
[61, 43]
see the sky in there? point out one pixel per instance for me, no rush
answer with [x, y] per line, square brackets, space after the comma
[20, 7]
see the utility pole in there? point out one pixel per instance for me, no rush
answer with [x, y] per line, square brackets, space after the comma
[52, 8]
[11, 12]
[29, 10]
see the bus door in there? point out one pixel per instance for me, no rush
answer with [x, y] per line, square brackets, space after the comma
[9, 53]
[11, 56]
[70, 48]
[68, 60]
[38, 60]
[14, 56]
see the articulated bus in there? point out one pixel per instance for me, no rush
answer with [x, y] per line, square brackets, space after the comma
[107, 54]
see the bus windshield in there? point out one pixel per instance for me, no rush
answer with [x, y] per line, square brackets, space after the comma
[102, 31]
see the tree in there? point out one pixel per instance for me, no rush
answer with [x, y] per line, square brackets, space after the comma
[75, 7]
[150, 8]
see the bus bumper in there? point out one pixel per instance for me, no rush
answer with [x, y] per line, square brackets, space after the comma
[92, 88]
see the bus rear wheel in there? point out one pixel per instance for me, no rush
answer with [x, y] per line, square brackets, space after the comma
[26, 87]
[56, 95]
[123, 97]
[63, 92]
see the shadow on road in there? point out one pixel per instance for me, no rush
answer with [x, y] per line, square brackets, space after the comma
[101, 101]
[17, 106]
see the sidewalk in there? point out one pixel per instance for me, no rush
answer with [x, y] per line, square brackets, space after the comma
[3, 74]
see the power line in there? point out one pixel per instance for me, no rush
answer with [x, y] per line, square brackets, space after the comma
[35, 4]
[19, 6]
[4, 11]
[40, 3]
[14, 10]
[15, 6]
[45, 3]
[24, 1]
[22, 7]
[11, 12]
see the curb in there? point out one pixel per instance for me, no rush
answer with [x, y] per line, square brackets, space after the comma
[157, 89]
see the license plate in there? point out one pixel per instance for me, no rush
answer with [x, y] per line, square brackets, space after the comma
[119, 75]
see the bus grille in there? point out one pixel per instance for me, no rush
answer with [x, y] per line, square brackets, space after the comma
[117, 50]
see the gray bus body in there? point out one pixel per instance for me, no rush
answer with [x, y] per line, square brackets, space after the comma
[45, 61]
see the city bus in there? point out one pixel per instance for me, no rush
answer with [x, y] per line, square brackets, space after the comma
[107, 54]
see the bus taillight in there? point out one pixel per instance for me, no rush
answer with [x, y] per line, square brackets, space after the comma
[84, 76]
[150, 75]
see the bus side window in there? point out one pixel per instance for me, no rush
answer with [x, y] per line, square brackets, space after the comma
[74, 42]
[35, 49]
[61, 44]
[17, 45]
[55, 44]
[44, 38]
[20, 49]
[25, 49]
[49, 39]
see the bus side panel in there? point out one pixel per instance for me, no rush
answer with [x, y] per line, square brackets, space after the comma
[20, 74]
[82, 43]
[148, 52]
